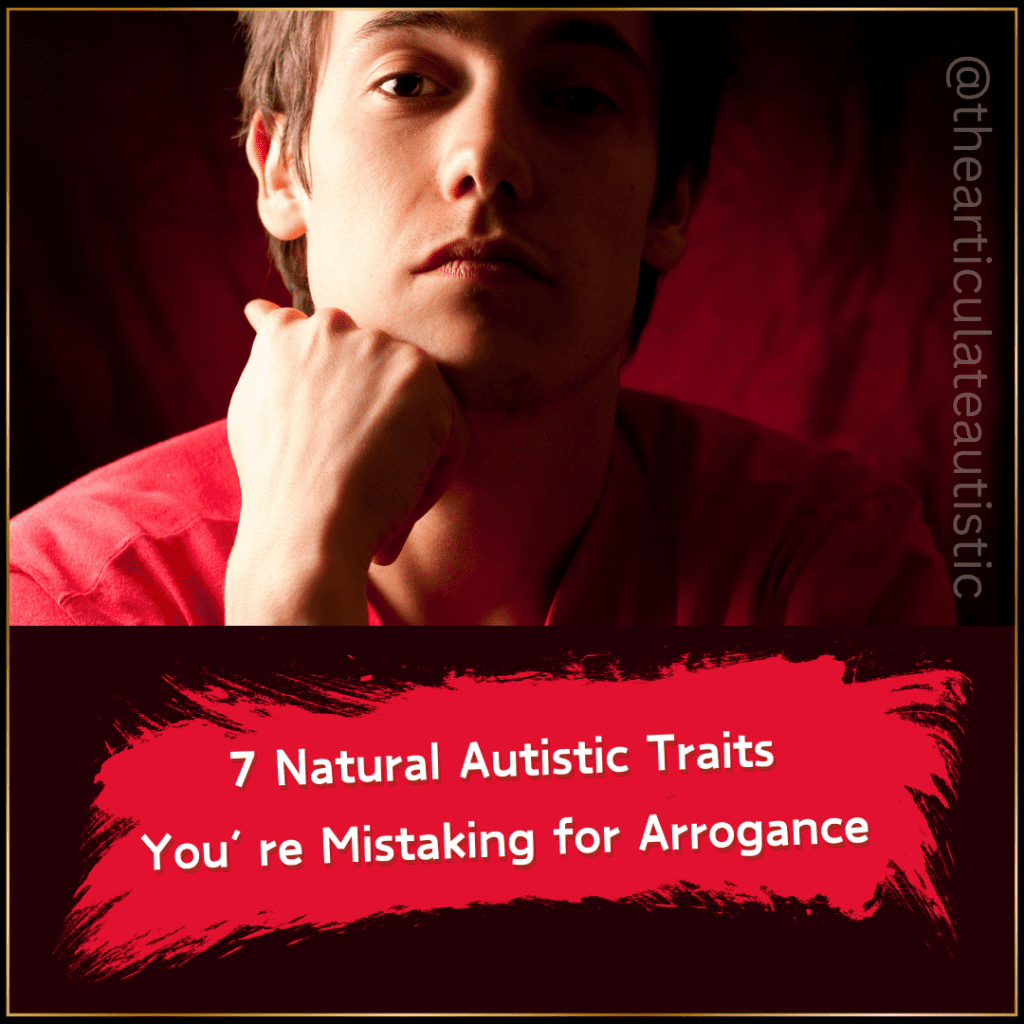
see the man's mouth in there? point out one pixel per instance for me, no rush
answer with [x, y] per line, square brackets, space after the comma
[483, 259]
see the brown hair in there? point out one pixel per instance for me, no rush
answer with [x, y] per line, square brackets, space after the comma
[285, 51]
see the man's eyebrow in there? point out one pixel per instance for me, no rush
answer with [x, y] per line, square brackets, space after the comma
[597, 33]
[577, 30]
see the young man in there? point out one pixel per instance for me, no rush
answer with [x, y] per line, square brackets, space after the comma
[470, 208]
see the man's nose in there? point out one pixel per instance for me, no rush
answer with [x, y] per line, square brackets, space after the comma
[486, 145]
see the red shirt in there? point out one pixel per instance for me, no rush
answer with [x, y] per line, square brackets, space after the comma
[705, 520]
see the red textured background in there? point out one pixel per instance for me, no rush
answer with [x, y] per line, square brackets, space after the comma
[836, 749]
[815, 296]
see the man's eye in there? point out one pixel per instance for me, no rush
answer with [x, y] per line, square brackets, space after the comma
[409, 86]
[583, 101]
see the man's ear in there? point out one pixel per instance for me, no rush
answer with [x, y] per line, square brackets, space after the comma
[665, 239]
[282, 199]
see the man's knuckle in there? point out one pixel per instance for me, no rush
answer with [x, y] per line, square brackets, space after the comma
[375, 342]
[331, 321]
[282, 315]
[323, 316]
[411, 362]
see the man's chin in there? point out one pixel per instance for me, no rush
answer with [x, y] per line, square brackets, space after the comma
[505, 393]
[500, 394]
[506, 367]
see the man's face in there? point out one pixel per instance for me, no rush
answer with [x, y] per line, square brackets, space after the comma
[527, 140]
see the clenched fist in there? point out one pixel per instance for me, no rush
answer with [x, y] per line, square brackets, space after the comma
[342, 438]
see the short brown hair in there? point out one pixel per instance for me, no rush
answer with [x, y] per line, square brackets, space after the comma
[285, 50]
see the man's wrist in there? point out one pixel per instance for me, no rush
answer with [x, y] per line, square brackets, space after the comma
[267, 592]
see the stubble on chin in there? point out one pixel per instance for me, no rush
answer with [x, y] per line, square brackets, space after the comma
[502, 394]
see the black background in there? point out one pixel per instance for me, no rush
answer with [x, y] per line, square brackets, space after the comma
[75, 694]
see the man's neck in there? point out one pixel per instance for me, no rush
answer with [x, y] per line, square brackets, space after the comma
[494, 549]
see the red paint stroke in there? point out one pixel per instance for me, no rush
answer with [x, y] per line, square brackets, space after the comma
[864, 750]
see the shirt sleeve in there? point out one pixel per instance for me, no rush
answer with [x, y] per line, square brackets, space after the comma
[31, 605]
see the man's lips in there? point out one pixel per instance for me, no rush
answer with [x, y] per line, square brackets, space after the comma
[476, 257]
